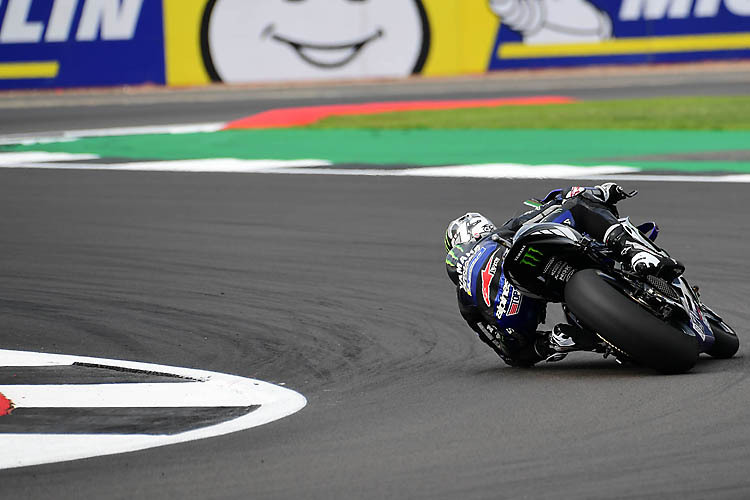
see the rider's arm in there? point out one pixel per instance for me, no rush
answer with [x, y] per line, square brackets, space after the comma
[514, 348]
[608, 194]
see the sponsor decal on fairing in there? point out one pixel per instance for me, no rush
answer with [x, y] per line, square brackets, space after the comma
[466, 266]
[488, 273]
[515, 304]
[509, 301]
[575, 191]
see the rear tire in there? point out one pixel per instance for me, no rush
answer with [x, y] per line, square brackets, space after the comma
[726, 342]
[627, 326]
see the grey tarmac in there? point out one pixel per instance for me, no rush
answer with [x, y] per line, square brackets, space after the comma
[335, 286]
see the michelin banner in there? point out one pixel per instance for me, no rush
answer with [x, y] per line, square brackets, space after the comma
[62, 43]
[65, 43]
[538, 33]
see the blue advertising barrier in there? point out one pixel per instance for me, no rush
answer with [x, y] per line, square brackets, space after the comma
[66, 43]
[539, 33]
[78, 43]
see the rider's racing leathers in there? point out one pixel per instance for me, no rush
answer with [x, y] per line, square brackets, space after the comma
[503, 318]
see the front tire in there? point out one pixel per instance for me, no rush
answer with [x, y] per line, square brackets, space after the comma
[627, 326]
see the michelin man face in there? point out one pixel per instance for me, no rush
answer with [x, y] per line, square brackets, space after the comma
[267, 40]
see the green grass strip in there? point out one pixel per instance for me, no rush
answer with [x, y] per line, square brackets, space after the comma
[673, 113]
[428, 147]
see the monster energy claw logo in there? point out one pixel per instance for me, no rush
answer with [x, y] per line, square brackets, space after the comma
[531, 257]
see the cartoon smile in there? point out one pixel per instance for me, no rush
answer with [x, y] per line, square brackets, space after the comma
[326, 55]
[286, 40]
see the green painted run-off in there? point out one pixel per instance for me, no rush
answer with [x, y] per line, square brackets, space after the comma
[430, 147]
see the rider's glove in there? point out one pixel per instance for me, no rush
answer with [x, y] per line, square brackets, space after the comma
[611, 193]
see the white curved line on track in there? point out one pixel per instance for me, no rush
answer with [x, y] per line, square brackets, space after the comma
[44, 160]
[207, 389]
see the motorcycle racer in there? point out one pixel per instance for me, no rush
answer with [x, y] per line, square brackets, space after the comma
[502, 317]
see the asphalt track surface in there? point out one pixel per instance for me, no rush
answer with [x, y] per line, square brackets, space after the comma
[335, 285]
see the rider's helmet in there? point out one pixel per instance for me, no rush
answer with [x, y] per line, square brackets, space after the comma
[470, 226]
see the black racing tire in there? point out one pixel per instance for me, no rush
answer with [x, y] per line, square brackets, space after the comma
[726, 342]
[627, 326]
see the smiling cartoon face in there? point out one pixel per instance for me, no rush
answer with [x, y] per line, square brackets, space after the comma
[267, 40]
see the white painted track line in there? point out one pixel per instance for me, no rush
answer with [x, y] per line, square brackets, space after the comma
[216, 165]
[209, 389]
[517, 171]
[70, 135]
[43, 160]
[10, 160]
[128, 395]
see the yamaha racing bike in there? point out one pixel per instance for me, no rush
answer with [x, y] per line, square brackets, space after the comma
[645, 320]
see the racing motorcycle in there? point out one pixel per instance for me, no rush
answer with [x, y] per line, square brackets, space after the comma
[645, 320]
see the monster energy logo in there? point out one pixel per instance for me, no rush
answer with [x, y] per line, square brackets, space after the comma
[530, 257]
[451, 259]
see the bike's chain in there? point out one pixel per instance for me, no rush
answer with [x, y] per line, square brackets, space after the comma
[612, 346]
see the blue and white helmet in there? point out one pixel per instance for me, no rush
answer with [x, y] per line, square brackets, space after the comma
[468, 227]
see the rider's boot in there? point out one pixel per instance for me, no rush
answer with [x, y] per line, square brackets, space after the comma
[564, 338]
[639, 254]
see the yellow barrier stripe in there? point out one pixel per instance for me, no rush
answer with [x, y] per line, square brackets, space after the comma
[19, 70]
[454, 49]
[648, 45]
[182, 44]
